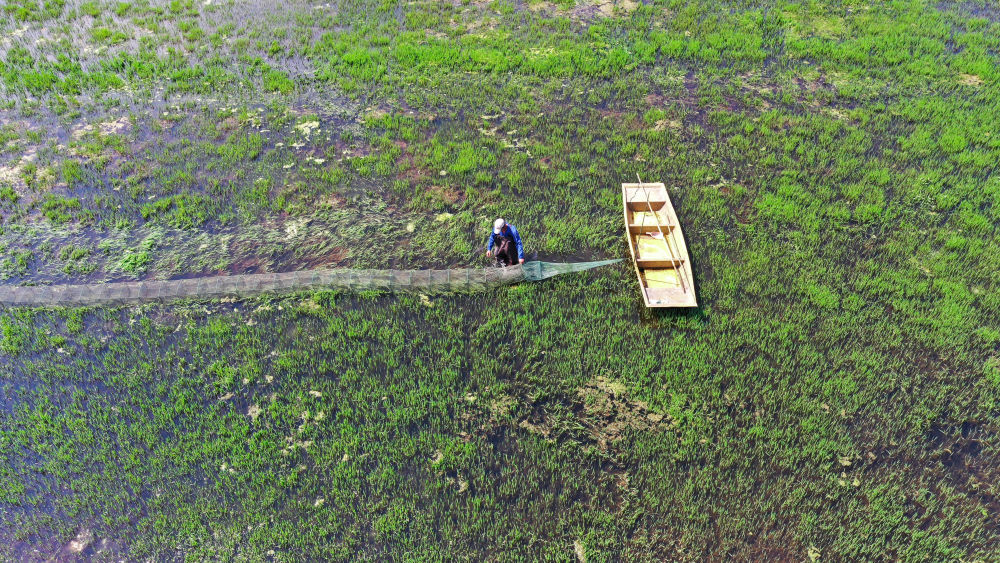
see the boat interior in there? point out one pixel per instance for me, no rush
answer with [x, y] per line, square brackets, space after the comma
[657, 246]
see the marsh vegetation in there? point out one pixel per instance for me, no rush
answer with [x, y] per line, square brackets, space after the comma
[834, 167]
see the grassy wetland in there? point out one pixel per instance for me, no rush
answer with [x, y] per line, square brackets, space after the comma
[834, 168]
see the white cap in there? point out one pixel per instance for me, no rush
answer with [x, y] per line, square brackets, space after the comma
[497, 225]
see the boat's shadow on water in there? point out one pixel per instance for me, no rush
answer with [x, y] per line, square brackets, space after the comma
[666, 317]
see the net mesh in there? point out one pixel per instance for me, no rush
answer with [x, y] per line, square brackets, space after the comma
[422, 281]
[535, 271]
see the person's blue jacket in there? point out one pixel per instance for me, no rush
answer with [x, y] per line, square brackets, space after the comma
[508, 230]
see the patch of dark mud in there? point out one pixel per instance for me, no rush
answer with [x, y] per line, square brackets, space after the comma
[146, 137]
[603, 412]
[974, 9]
[326, 257]
[595, 419]
[585, 12]
[84, 546]
[959, 457]
[697, 99]
[965, 454]
[959, 468]
[279, 244]
[609, 413]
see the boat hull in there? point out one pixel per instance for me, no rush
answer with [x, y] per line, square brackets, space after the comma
[656, 241]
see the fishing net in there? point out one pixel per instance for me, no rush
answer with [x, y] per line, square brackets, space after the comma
[535, 271]
[422, 281]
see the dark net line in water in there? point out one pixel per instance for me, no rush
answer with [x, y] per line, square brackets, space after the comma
[422, 281]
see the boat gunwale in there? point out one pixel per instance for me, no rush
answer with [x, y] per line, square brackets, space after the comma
[690, 298]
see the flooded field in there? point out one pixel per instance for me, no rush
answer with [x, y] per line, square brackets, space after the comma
[833, 165]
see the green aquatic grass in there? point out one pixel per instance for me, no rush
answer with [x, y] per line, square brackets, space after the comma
[833, 168]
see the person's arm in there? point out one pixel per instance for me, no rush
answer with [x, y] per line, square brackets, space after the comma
[517, 239]
[489, 243]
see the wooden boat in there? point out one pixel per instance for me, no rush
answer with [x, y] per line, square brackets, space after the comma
[657, 244]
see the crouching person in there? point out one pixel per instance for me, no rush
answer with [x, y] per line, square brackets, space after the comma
[505, 244]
